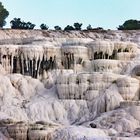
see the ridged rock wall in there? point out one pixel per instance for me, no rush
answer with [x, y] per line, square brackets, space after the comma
[69, 85]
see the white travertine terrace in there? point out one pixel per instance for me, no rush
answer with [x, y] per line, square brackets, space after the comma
[69, 85]
[34, 59]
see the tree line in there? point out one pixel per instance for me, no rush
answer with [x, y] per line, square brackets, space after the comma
[17, 23]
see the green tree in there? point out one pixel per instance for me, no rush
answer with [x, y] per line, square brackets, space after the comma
[77, 26]
[29, 25]
[3, 15]
[89, 27]
[57, 28]
[98, 29]
[130, 25]
[69, 28]
[16, 23]
[44, 26]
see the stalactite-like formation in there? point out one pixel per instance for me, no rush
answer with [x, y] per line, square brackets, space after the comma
[33, 60]
[111, 50]
[68, 61]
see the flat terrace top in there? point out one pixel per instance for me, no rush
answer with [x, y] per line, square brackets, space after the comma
[129, 103]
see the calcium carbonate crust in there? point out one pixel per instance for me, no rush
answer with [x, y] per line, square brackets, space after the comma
[73, 85]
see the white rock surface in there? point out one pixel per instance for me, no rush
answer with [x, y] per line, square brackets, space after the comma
[71, 79]
[79, 133]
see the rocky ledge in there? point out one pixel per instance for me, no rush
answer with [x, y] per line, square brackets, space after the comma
[75, 85]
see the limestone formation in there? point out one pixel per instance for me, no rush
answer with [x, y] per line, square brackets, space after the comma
[73, 85]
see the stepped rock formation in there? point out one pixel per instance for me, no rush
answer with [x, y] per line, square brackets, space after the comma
[76, 85]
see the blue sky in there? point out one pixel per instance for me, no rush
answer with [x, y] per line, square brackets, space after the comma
[104, 13]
